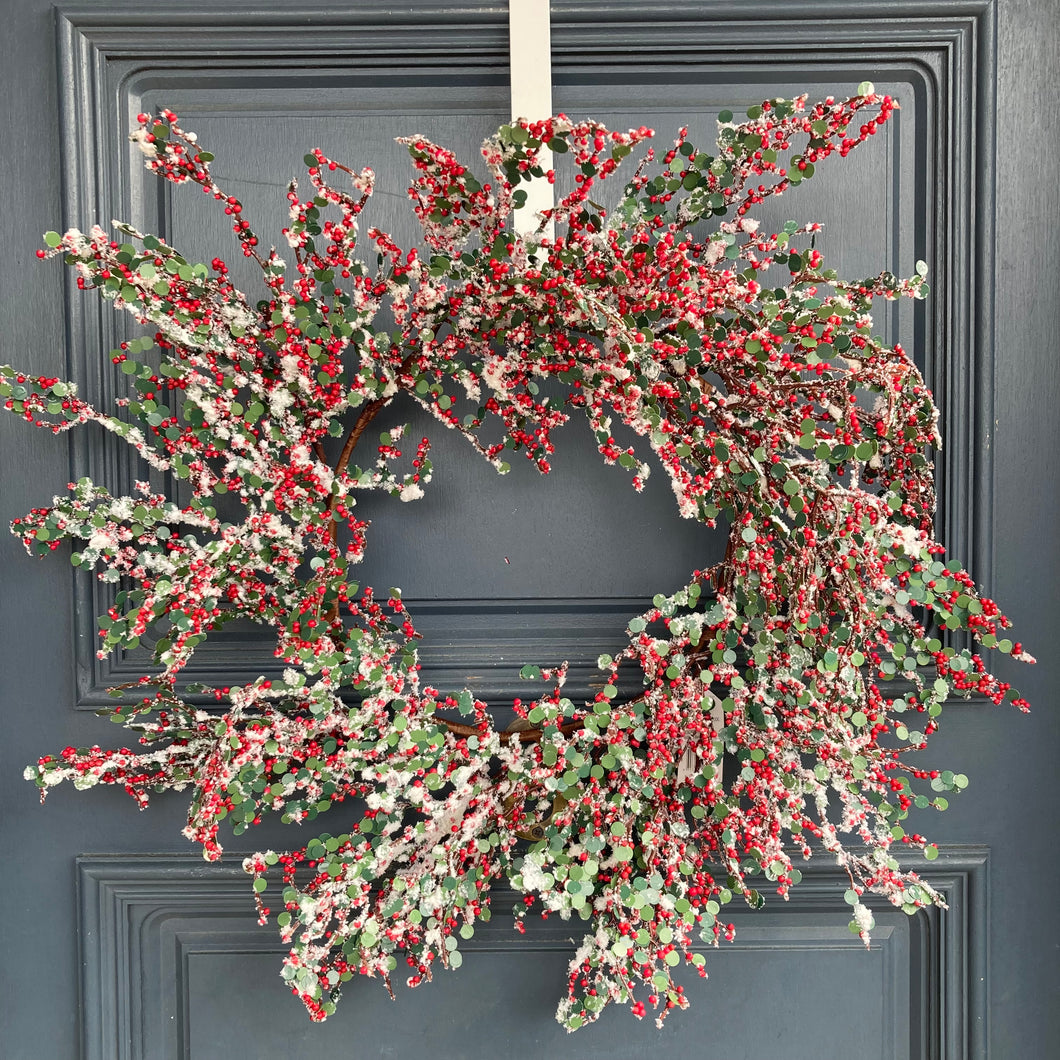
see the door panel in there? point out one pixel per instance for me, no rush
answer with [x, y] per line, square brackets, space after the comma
[163, 952]
[174, 967]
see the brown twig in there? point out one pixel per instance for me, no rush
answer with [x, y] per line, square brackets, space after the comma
[458, 728]
[367, 414]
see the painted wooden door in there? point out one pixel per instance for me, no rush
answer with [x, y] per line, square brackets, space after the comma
[120, 942]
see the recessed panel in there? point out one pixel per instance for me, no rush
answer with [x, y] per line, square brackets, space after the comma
[567, 544]
[753, 1004]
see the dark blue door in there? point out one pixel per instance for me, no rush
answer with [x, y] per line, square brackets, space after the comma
[121, 942]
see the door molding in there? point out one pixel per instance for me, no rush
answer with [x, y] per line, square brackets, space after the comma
[110, 54]
[144, 920]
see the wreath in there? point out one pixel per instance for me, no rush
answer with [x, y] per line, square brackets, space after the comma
[784, 691]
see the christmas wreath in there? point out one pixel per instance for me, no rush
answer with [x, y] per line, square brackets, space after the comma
[784, 691]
